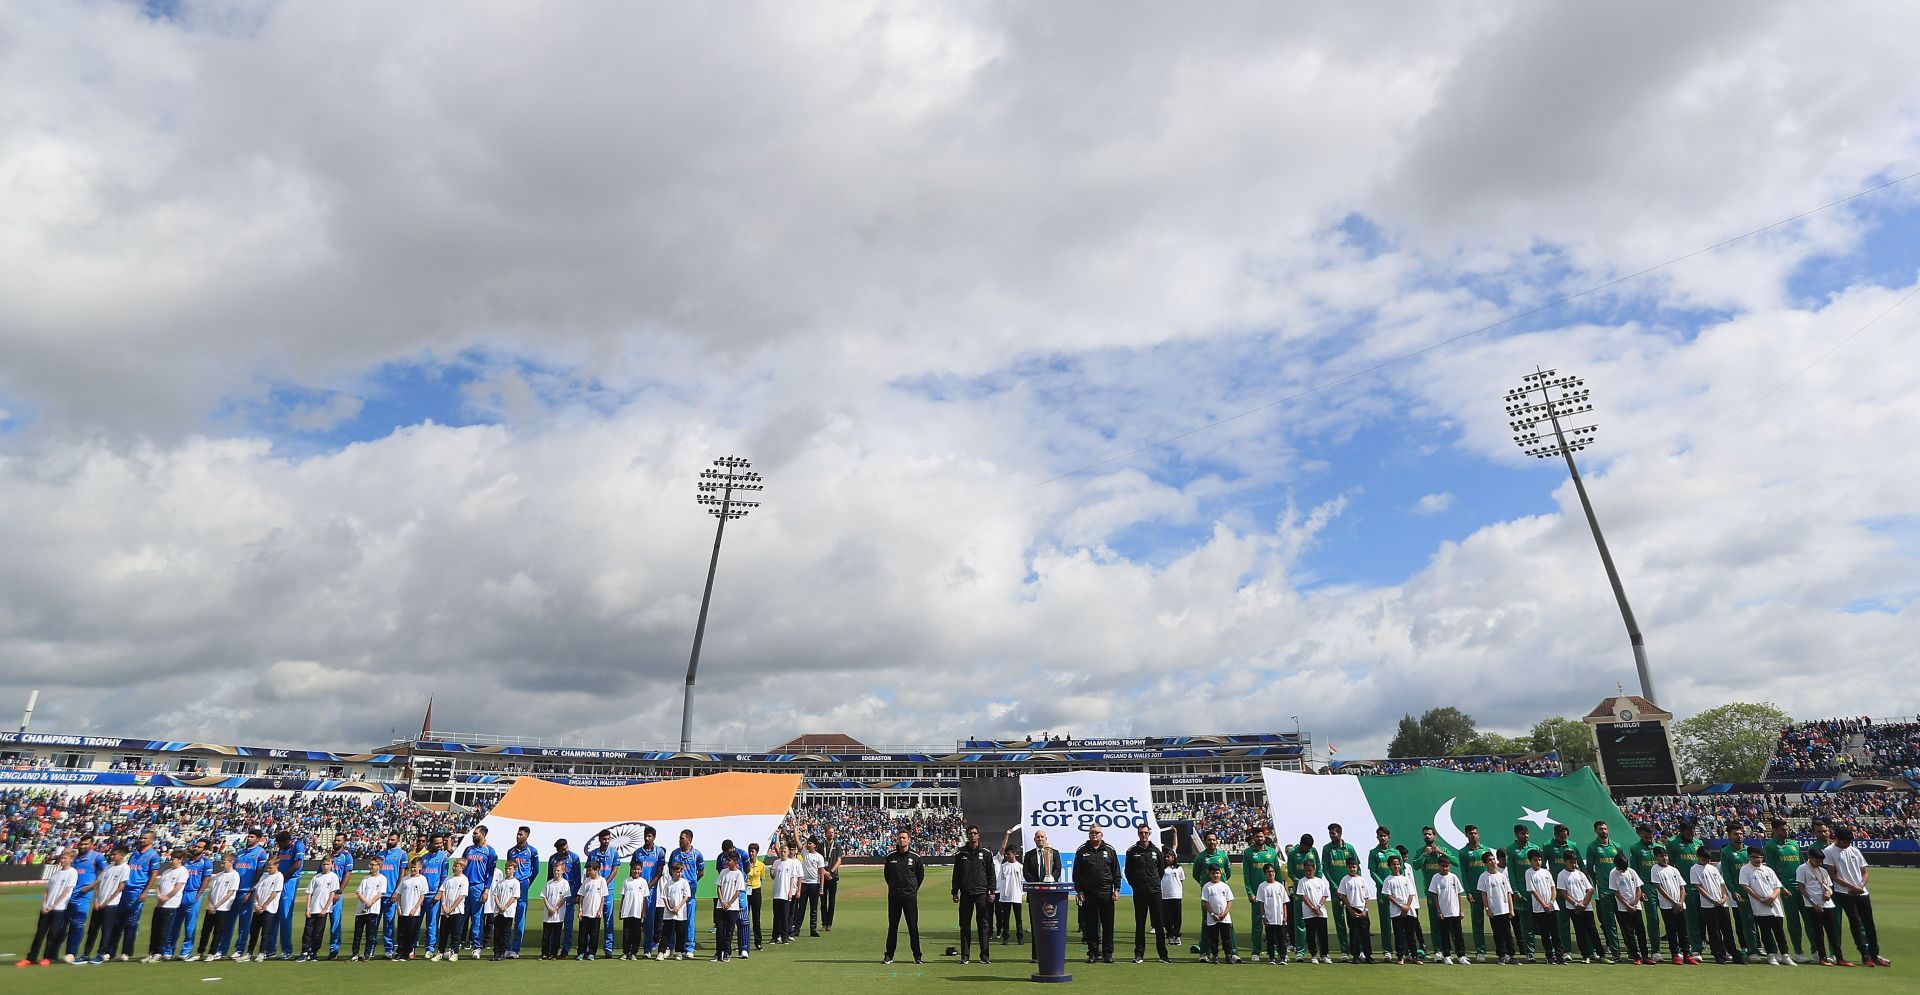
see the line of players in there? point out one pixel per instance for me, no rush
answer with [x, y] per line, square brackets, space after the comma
[246, 902]
[1617, 902]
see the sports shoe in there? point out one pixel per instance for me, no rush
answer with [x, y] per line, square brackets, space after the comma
[886, 960]
[1882, 961]
[1787, 962]
[1139, 960]
[917, 960]
[454, 956]
[46, 962]
[1446, 958]
[1693, 958]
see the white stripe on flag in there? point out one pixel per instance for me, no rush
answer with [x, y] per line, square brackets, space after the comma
[1306, 803]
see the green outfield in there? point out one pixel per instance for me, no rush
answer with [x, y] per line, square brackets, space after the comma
[848, 960]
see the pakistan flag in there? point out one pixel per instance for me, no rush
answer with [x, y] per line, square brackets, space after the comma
[1446, 800]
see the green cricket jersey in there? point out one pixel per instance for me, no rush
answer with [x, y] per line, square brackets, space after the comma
[1519, 857]
[1427, 862]
[1473, 864]
[1785, 859]
[1733, 856]
[1600, 864]
[1212, 858]
[1333, 861]
[1256, 862]
[1557, 856]
[1377, 862]
[1681, 855]
[1297, 857]
[1641, 857]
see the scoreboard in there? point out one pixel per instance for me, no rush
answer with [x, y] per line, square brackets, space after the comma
[1636, 757]
[432, 770]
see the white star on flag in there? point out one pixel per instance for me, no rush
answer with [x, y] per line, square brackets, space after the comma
[1539, 818]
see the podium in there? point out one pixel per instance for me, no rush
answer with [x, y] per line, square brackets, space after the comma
[1048, 904]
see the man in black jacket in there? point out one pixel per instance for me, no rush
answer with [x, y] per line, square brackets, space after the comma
[904, 872]
[1042, 863]
[1096, 883]
[1143, 873]
[973, 891]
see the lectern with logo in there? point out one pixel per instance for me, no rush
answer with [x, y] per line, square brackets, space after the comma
[1049, 902]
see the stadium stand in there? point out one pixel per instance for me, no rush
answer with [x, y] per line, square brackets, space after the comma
[1530, 764]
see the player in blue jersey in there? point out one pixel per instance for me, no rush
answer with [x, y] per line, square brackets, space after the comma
[646, 862]
[566, 865]
[87, 866]
[180, 934]
[292, 856]
[393, 862]
[144, 864]
[609, 859]
[482, 861]
[433, 864]
[247, 864]
[522, 861]
[340, 862]
[693, 867]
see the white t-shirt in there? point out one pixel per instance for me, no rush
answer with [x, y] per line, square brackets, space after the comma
[1402, 888]
[1848, 868]
[1625, 883]
[677, 893]
[786, 878]
[1312, 892]
[1540, 886]
[503, 897]
[1272, 896]
[1215, 897]
[1497, 892]
[410, 898]
[1173, 882]
[1011, 879]
[174, 880]
[1670, 886]
[220, 890]
[1763, 880]
[593, 897]
[1818, 884]
[553, 899]
[113, 881]
[810, 866]
[372, 891]
[1712, 885]
[453, 892]
[728, 888]
[1447, 891]
[320, 891]
[1577, 888]
[59, 893]
[1357, 889]
[633, 898]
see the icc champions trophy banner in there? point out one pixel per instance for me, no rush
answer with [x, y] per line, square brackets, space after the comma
[1065, 806]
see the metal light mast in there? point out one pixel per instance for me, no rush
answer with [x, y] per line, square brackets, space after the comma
[717, 487]
[1546, 397]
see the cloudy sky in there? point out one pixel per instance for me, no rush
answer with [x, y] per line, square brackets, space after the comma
[353, 353]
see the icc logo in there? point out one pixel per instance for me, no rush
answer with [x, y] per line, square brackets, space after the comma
[1074, 791]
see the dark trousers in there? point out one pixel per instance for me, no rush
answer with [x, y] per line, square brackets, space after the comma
[725, 921]
[367, 931]
[113, 928]
[157, 933]
[1584, 932]
[48, 934]
[409, 929]
[1546, 926]
[1503, 946]
[977, 909]
[1633, 935]
[1673, 922]
[319, 924]
[1009, 913]
[503, 933]
[129, 925]
[673, 935]
[753, 912]
[259, 938]
[1389, 928]
[899, 907]
[633, 935]
[1277, 939]
[809, 900]
[97, 926]
[1316, 936]
[550, 936]
[453, 932]
[829, 896]
[1859, 912]
[1717, 922]
[1217, 940]
[1359, 934]
[590, 935]
[1449, 937]
[1773, 934]
[1146, 911]
[214, 930]
[1404, 940]
[1096, 922]
[1170, 909]
[1823, 928]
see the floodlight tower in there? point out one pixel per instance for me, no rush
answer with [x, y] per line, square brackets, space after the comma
[728, 475]
[1546, 397]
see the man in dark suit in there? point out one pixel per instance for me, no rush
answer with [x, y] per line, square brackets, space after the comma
[1096, 885]
[1042, 863]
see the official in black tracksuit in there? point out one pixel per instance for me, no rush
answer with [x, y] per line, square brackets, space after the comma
[1096, 883]
[904, 872]
[1143, 873]
[973, 890]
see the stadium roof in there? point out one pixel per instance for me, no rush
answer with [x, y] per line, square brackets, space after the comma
[837, 742]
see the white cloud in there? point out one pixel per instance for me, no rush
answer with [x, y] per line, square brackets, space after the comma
[1433, 504]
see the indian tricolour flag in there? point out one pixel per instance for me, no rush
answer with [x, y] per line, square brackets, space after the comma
[1446, 800]
[744, 808]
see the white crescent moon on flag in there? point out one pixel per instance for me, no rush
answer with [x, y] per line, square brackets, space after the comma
[1443, 825]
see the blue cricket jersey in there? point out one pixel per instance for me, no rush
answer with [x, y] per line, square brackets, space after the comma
[392, 863]
[609, 862]
[87, 871]
[434, 866]
[197, 871]
[693, 865]
[567, 867]
[480, 864]
[141, 865]
[649, 863]
[247, 864]
[289, 863]
[521, 862]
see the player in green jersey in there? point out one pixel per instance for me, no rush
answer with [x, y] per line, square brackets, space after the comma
[1212, 856]
[1681, 848]
[1334, 857]
[1783, 855]
[1733, 857]
[1299, 856]
[1641, 855]
[1473, 859]
[1600, 854]
[1519, 858]
[1377, 861]
[1426, 864]
[1258, 857]
[1556, 852]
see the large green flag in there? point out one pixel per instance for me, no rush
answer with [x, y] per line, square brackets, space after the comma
[1446, 800]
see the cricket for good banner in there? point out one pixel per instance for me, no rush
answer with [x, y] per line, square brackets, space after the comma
[745, 808]
[1446, 800]
[1065, 806]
